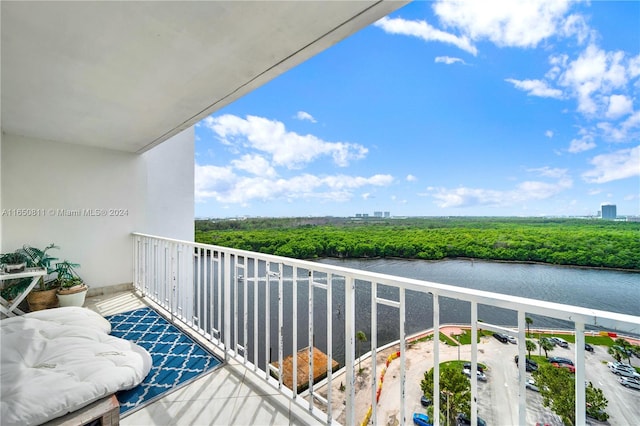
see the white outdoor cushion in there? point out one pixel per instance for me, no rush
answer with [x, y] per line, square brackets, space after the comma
[54, 366]
[73, 315]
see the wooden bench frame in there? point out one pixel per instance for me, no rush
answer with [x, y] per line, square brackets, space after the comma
[106, 411]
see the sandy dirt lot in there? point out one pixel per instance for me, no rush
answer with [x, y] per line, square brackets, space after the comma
[497, 398]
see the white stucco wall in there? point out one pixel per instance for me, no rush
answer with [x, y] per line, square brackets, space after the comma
[170, 188]
[88, 200]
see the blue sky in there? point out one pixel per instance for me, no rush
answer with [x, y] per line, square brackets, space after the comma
[519, 109]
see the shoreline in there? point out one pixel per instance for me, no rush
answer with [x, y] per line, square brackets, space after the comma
[473, 259]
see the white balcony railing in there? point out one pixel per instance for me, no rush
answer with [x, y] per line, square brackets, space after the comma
[258, 308]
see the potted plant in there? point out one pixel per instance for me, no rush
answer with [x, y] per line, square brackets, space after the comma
[13, 262]
[44, 295]
[71, 288]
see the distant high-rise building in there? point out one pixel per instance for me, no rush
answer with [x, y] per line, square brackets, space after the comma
[377, 214]
[387, 214]
[609, 211]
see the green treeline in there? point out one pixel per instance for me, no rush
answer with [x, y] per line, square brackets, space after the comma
[593, 243]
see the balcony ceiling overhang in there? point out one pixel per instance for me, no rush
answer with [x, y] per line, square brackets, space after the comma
[129, 75]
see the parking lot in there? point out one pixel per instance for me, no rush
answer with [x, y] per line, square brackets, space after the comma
[498, 396]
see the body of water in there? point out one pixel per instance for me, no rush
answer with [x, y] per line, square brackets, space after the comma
[607, 290]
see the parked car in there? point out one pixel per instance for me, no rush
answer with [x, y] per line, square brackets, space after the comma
[620, 365]
[467, 365]
[630, 383]
[501, 337]
[559, 360]
[588, 347]
[421, 419]
[625, 372]
[463, 420]
[425, 401]
[512, 339]
[530, 365]
[560, 342]
[569, 367]
[481, 376]
[531, 384]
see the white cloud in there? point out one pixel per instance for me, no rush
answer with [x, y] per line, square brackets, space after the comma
[447, 60]
[634, 67]
[254, 164]
[366, 195]
[224, 185]
[286, 148]
[411, 178]
[581, 145]
[549, 134]
[575, 25]
[536, 88]
[212, 180]
[595, 191]
[302, 115]
[593, 73]
[526, 191]
[622, 132]
[507, 22]
[549, 172]
[618, 165]
[619, 105]
[424, 31]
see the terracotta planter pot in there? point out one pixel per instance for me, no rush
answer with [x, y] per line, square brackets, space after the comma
[39, 300]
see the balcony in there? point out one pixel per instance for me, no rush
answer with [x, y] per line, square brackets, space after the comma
[254, 310]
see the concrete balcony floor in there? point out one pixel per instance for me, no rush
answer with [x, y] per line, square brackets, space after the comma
[229, 395]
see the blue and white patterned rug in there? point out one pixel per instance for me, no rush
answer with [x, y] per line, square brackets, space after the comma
[177, 359]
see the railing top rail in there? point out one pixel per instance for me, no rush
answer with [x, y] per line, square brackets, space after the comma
[588, 316]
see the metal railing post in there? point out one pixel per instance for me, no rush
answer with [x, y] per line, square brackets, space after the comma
[349, 346]
[436, 360]
[226, 273]
[403, 359]
[522, 369]
[580, 376]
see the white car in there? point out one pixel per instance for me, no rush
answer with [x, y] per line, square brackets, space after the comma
[624, 370]
[512, 339]
[560, 342]
[619, 366]
[627, 373]
[481, 376]
[630, 383]
[531, 384]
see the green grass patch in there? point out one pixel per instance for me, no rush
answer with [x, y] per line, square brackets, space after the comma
[448, 340]
[423, 339]
[452, 364]
[459, 364]
[465, 337]
[592, 340]
[599, 340]
[540, 359]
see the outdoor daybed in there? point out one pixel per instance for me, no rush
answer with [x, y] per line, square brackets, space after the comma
[59, 360]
